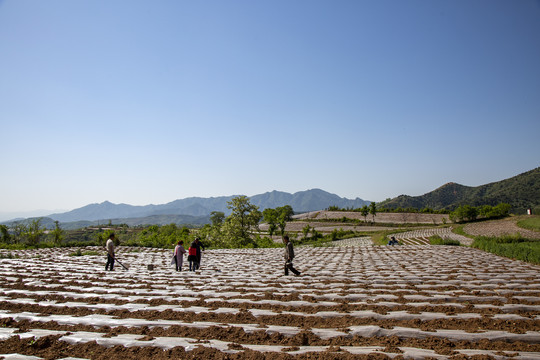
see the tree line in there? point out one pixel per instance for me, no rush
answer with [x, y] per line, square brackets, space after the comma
[364, 210]
[31, 233]
[368, 210]
[239, 229]
[460, 214]
[471, 213]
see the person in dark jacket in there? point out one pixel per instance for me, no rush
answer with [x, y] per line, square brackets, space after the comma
[192, 258]
[197, 245]
[289, 256]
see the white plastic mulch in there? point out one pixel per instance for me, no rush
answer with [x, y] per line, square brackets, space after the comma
[421, 236]
[352, 272]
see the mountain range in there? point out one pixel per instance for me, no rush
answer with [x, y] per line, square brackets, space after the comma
[521, 192]
[302, 201]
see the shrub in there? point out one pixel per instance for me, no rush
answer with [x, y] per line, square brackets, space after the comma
[76, 253]
[471, 213]
[515, 247]
[437, 240]
[266, 242]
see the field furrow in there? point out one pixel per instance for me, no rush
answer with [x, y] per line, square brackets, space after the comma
[352, 300]
[421, 236]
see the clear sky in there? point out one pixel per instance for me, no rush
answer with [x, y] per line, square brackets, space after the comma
[146, 102]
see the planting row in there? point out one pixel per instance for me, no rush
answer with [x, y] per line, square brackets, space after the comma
[351, 299]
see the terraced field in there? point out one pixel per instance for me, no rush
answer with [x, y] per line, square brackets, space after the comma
[352, 301]
[421, 236]
[394, 218]
[500, 228]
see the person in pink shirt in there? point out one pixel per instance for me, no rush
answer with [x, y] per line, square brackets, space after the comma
[179, 252]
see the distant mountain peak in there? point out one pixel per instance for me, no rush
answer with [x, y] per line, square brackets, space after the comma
[302, 201]
[521, 192]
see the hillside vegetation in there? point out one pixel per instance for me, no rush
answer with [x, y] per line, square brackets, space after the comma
[522, 192]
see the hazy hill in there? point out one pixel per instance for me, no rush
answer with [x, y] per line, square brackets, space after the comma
[521, 192]
[48, 223]
[302, 201]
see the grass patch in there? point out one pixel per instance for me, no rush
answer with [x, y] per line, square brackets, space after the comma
[13, 246]
[514, 247]
[437, 240]
[458, 229]
[530, 223]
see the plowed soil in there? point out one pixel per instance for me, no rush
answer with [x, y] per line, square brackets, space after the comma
[500, 228]
[350, 302]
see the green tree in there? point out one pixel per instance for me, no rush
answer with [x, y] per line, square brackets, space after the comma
[373, 209]
[213, 236]
[168, 235]
[485, 211]
[217, 217]
[464, 213]
[270, 217]
[34, 232]
[244, 216]
[6, 236]
[305, 231]
[162, 236]
[502, 210]
[57, 234]
[285, 214]
[471, 213]
[365, 212]
[19, 232]
[102, 236]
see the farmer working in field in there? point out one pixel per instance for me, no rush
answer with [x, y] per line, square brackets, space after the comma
[110, 253]
[289, 256]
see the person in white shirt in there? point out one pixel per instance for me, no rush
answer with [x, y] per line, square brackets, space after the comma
[110, 253]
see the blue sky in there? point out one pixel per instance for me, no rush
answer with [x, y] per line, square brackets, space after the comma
[145, 102]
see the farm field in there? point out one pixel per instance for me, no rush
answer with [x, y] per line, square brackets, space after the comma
[500, 228]
[421, 236]
[418, 236]
[327, 221]
[353, 300]
[393, 218]
[326, 227]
